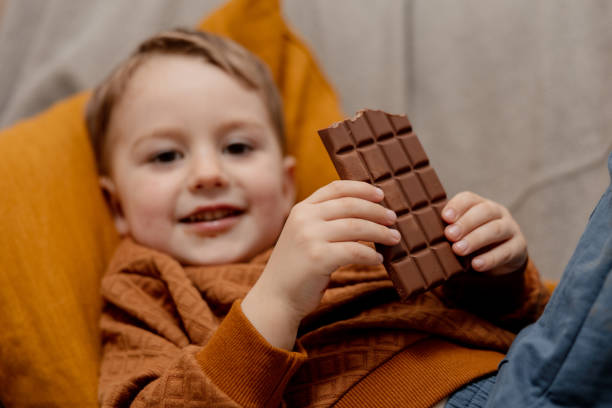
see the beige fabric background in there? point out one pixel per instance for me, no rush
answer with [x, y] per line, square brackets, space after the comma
[512, 99]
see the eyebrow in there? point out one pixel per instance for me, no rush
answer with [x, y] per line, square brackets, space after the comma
[239, 124]
[163, 133]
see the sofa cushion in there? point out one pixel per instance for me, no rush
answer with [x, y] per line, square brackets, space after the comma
[57, 235]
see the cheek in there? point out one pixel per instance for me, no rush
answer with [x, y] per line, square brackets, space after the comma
[149, 204]
[265, 191]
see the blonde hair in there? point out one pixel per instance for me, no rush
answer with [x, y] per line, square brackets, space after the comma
[213, 49]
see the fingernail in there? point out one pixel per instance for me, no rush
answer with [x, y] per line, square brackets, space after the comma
[379, 192]
[449, 214]
[380, 257]
[453, 231]
[396, 234]
[391, 216]
[478, 263]
[460, 246]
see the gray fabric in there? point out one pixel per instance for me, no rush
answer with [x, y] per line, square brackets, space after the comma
[511, 99]
[53, 48]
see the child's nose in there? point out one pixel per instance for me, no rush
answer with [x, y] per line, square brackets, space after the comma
[207, 174]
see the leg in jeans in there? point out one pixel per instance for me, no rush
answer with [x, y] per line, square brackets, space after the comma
[565, 358]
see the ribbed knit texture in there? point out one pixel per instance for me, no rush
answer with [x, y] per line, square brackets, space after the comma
[422, 375]
[176, 336]
[237, 357]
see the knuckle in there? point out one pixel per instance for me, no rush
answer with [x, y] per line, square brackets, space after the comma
[382, 209]
[359, 253]
[463, 194]
[503, 210]
[506, 257]
[492, 259]
[354, 252]
[320, 189]
[386, 233]
[305, 235]
[497, 229]
[522, 244]
[302, 237]
[296, 221]
[299, 214]
[519, 245]
[296, 210]
[353, 225]
[460, 198]
[336, 186]
[348, 204]
[490, 209]
[469, 196]
[315, 252]
[501, 257]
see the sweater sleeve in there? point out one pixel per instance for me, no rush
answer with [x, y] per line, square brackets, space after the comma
[252, 359]
[511, 301]
[236, 368]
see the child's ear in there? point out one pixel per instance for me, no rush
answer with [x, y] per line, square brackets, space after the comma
[109, 190]
[289, 181]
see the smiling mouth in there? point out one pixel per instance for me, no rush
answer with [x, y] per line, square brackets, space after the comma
[213, 215]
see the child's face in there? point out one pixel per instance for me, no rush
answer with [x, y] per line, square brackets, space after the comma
[196, 167]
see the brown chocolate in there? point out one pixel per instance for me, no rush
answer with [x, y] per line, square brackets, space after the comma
[381, 149]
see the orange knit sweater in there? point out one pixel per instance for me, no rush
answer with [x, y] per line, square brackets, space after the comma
[176, 336]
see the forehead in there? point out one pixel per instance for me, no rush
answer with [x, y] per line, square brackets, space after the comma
[185, 90]
[162, 78]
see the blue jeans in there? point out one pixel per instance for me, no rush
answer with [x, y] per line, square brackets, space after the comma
[473, 395]
[564, 359]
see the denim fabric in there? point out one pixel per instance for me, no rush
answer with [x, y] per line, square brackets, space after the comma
[565, 358]
[473, 395]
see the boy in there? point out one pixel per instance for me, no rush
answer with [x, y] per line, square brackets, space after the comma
[188, 136]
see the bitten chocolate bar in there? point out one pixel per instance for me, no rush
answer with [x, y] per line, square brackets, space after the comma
[381, 149]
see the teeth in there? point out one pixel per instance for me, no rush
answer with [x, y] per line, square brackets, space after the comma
[210, 215]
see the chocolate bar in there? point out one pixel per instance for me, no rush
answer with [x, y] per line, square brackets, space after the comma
[381, 149]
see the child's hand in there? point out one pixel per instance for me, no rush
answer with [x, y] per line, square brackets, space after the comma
[480, 224]
[320, 235]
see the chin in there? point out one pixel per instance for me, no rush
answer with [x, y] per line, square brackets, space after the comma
[215, 258]
[222, 250]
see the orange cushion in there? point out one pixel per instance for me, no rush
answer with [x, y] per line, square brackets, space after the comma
[57, 235]
[56, 238]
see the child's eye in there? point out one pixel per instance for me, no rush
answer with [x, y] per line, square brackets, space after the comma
[237, 148]
[167, 157]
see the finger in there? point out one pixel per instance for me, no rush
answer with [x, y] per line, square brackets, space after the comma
[347, 253]
[350, 207]
[477, 215]
[509, 254]
[459, 204]
[355, 229]
[346, 188]
[492, 232]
